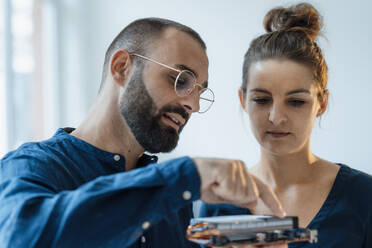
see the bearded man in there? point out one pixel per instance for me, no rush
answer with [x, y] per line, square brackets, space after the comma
[93, 186]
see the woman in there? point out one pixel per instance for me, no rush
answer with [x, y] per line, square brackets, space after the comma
[284, 90]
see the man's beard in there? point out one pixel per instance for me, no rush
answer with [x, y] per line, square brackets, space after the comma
[144, 119]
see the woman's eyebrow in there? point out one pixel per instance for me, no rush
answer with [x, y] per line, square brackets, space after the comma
[298, 91]
[260, 90]
[288, 93]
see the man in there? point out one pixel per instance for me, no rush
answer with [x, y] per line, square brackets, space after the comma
[93, 187]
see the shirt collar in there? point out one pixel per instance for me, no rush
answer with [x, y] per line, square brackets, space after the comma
[106, 156]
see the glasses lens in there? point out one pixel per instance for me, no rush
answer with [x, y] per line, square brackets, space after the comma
[185, 83]
[206, 100]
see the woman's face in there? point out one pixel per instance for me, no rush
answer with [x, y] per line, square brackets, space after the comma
[282, 103]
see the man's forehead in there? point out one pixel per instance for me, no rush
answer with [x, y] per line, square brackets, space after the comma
[177, 48]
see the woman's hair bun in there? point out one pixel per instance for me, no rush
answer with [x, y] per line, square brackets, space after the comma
[301, 16]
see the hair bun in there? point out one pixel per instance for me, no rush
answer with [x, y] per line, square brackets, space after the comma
[302, 17]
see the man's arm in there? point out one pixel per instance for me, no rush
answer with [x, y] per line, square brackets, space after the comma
[108, 211]
[115, 209]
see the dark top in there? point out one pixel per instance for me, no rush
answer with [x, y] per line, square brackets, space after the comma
[64, 192]
[345, 218]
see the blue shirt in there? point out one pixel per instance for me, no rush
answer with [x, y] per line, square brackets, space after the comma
[345, 218]
[64, 192]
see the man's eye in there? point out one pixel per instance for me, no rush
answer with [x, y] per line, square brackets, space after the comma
[261, 101]
[172, 79]
[296, 102]
[181, 82]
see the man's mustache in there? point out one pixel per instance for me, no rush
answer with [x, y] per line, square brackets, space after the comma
[176, 109]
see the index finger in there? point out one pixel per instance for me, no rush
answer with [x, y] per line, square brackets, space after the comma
[269, 198]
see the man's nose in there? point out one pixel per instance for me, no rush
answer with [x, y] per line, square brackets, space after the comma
[277, 114]
[191, 102]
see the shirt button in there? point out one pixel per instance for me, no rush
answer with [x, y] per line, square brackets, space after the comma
[186, 195]
[143, 239]
[117, 157]
[145, 225]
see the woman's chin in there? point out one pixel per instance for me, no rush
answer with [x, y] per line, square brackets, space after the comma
[278, 149]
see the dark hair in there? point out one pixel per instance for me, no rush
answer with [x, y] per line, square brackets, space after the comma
[291, 34]
[137, 36]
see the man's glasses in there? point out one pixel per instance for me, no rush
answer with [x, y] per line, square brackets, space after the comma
[185, 83]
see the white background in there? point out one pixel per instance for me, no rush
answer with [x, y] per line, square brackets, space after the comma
[85, 28]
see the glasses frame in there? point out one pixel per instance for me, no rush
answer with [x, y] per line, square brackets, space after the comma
[175, 81]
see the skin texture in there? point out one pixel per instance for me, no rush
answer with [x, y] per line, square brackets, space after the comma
[282, 102]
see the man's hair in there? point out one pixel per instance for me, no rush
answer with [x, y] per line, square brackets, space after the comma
[136, 37]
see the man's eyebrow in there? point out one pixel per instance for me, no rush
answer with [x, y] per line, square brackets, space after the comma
[298, 91]
[185, 67]
[205, 84]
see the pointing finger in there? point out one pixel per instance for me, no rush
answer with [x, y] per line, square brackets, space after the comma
[269, 198]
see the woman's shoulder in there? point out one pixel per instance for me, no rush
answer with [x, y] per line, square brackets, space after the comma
[353, 188]
[355, 178]
[345, 175]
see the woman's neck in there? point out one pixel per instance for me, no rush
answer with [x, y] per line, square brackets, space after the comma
[284, 170]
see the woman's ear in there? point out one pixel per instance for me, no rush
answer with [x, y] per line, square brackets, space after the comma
[120, 66]
[242, 100]
[323, 103]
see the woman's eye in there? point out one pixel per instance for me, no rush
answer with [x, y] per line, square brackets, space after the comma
[261, 101]
[296, 102]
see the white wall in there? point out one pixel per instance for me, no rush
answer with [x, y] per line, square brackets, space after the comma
[228, 27]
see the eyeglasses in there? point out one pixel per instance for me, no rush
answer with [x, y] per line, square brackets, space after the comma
[185, 83]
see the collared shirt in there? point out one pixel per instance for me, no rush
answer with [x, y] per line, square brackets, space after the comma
[64, 192]
[343, 221]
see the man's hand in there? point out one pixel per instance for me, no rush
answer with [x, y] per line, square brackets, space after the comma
[228, 181]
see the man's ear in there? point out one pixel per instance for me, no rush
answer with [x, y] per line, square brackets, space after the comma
[120, 66]
[242, 100]
[323, 103]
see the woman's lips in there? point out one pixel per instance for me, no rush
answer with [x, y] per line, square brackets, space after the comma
[278, 134]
